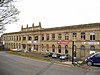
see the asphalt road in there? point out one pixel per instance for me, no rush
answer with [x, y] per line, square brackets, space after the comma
[17, 65]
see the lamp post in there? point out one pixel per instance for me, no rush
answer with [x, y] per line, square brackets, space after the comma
[73, 52]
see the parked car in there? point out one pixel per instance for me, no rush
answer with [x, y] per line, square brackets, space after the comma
[93, 59]
[16, 50]
[48, 55]
[64, 56]
[55, 55]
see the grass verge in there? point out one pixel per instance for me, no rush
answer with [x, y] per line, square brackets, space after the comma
[30, 55]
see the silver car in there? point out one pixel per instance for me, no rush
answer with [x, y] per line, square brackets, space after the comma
[64, 56]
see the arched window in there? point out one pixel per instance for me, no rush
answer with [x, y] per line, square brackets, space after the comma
[92, 48]
[82, 51]
[53, 48]
[82, 47]
[42, 47]
[47, 47]
[66, 49]
[59, 48]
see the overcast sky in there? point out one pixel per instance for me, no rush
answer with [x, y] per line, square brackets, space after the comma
[56, 13]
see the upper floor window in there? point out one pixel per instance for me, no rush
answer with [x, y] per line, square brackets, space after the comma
[53, 36]
[4, 38]
[24, 37]
[14, 38]
[82, 35]
[92, 36]
[11, 37]
[47, 36]
[17, 38]
[66, 36]
[74, 35]
[42, 37]
[59, 36]
[36, 37]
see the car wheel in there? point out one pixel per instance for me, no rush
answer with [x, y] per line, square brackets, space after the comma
[89, 63]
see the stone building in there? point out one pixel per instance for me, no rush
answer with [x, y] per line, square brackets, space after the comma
[59, 40]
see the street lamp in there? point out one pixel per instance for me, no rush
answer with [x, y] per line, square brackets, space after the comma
[73, 52]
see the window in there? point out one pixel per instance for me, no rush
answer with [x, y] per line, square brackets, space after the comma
[42, 47]
[14, 38]
[47, 36]
[92, 36]
[24, 37]
[17, 38]
[97, 55]
[36, 37]
[59, 36]
[92, 48]
[29, 37]
[53, 36]
[19, 45]
[4, 38]
[35, 47]
[82, 35]
[66, 36]
[47, 46]
[74, 35]
[16, 45]
[53, 48]
[42, 37]
[1, 1]
[59, 48]
[66, 49]
[24, 46]
[82, 47]
[82, 51]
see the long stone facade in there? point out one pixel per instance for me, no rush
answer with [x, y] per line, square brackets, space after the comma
[58, 40]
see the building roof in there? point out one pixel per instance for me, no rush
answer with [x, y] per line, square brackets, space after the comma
[90, 25]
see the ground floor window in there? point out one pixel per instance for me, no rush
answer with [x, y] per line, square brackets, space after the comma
[23, 46]
[47, 48]
[82, 51]
[42, 48]
[59, 48]
[66, 49]
[29, 48]
[53, 48]
[14, 45]
[36, 47]
[92, 49]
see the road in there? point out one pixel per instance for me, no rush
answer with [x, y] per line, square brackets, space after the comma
[16, 65]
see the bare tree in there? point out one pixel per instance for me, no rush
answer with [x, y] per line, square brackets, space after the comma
[8, 13]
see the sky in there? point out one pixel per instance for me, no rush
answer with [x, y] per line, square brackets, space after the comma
[55, 13]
